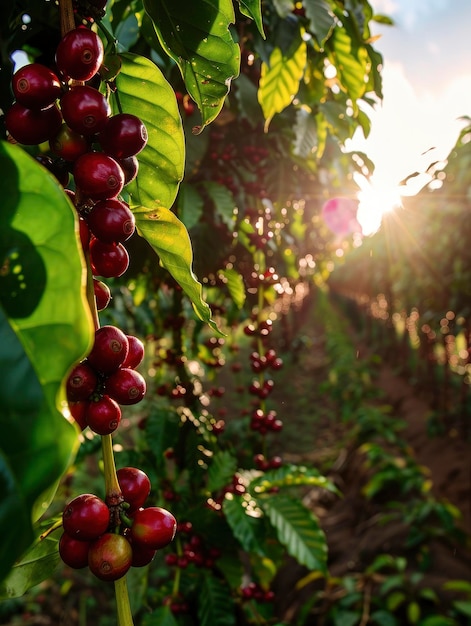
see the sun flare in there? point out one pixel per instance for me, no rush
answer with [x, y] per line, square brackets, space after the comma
[375, 199]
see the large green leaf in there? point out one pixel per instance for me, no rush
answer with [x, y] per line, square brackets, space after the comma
[290, 476]
[162, 616]
[169, 238]
[223, 201]
[279, 80]
[298, 530]
[197, 36]
[222, 469]
[37, 564]
[144, 91]
[351, 61]
[45, 327]
[215, 605]
[321, 17]
[246, 528]
[253, 9]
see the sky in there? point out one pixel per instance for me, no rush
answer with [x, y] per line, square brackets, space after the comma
[426, 88]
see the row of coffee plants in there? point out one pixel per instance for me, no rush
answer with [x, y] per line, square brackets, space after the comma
[410, 286]
[117, 131]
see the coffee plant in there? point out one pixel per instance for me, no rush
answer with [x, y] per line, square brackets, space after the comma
[107, 108]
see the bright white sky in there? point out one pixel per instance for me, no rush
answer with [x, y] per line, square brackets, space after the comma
[426, 84]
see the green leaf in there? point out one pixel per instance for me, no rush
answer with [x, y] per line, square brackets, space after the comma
[48, 329]
[279, 80]
[222, 469]
[438, 620]
[298, 530]
[162, 616]
[215, 604]
[458, 585]
[246, 528]
[170, 240]
[223, 201]
[196, 36]
[383, 618]
[347, 618]
[413, 612]
[305, 142]
[37, 564]
[144, 91]
[235, 285]
[351, 63]
[322, 20]
[463, 607]
[290, 476]
[394, 601]
[253, 9]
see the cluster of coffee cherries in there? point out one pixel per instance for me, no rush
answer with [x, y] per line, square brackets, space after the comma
[112, 539]
[193, 550]
[60, 106]
[106, 379]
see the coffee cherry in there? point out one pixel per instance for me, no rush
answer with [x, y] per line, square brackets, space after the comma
[126, 386]
[35, 86]
[84, 232]
[30, 126]
[79, 54]
[141, 555]
[77, 411]
[135, 353]
[68, 144]
[130, 167]
[81, 383]
[85, 110]
[103, 415]
[111, 221]
[98, 176]
[135, 486]
[86, 517]
[57, 167]
[73, 552]
[102, 294]
[153, 527]
[123, 136]
[110, 348]
[109, 260]
[110, 557]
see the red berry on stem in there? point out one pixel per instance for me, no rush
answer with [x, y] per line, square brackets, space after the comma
[102, 294]
[98, 176]
[77, 411]
[135, 486]
[103, 416]
[79, 54]
[73, 552]
[85, 110]
[31, 127]
[130, 167]
[109, 260]
[123, 136]
[84, 232]
[141, 555]
[153, 527]
[86, 517]
[111, 221]
[68, 144]
[81, 383]
[109, 350]
[110, 557]
[126, 386]
[35, 86]
[135, 354]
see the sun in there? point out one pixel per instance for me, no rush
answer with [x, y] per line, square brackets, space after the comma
[376, 197]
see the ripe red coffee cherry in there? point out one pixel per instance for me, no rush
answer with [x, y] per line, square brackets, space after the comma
[103, 416]
[130, 167]
[102, 294]
[73, 552]
[153, 527]
[81, 383]
[111, 221]
[126, 386]
[135, 354]
[141, 555]
[135, 486]
[85, 110]
[86, 517]
[98, 176]
[35, 86]
[30, 126]
[79, 54]
[84, 232]
[68, 144]
[110, 557]
[109, 260]
[123, 136]
[110, 348]
[77, 410]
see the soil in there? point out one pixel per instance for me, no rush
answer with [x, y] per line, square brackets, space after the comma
[351, 524]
